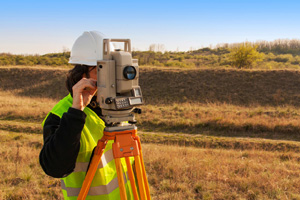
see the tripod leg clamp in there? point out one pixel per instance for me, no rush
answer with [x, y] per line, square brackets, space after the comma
[125, 146]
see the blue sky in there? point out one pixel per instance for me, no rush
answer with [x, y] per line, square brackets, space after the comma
[29, 27]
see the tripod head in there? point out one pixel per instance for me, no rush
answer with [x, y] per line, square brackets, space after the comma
[117, 82]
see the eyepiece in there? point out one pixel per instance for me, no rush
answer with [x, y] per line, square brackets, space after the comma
[129, 72]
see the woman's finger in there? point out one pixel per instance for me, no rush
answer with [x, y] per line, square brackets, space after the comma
[86, 83]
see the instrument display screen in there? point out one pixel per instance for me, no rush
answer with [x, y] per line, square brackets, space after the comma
[135, 101]
[137, 92]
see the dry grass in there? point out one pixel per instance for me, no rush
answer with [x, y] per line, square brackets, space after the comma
[24, 108]
[25, 114]
[189, 173]
[275, 122]
[242, 149]
[20, 171]
[174, 172]
[217, 142]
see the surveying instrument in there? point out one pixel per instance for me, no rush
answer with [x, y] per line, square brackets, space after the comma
[118, 94]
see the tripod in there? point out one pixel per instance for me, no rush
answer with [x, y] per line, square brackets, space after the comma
[126, 144]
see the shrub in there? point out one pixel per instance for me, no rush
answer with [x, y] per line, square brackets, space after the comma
[245, 55]
[179, 64]
[283, 58]
[55, 59]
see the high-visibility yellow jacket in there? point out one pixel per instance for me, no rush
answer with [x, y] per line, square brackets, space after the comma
[105, 183]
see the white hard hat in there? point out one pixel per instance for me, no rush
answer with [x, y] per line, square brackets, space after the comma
[87, 49]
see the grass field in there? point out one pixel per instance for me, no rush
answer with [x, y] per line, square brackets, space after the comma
[243, 147]
[174, 172]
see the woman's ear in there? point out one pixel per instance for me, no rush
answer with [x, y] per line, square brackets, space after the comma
[86, 75]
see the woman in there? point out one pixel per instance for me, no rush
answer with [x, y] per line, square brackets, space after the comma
[73, 127]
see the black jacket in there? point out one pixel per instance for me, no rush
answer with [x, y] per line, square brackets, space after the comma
[62, 141]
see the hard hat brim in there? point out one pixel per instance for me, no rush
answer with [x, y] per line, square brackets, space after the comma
[83, 63]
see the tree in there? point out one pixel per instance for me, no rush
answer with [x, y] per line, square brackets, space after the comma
[157, 48]
[245, 55]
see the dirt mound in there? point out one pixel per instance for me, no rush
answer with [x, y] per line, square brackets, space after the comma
[34, 82]
[239, 87]
[164, 86]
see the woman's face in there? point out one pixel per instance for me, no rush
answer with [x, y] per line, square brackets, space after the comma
[93, 72]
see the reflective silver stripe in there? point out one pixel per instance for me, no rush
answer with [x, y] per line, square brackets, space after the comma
[97, 190]
[105, 159]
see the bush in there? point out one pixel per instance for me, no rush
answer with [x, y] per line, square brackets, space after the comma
[179, 64]
[55, 59]
[283, 58]
[245, 55]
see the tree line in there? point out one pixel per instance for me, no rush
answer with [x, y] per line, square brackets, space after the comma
[279, 46]
[278, 53]
[52, 59]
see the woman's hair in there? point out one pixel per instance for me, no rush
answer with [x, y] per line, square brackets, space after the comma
[74, 75]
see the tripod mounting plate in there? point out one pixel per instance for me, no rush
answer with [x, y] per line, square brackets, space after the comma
[119, 128]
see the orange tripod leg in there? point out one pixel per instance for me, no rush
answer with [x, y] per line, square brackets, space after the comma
[145, 177]
[139, 175]
[131, 178]
[120, 179]
[143, 169]
[92, 169]
[126, 144]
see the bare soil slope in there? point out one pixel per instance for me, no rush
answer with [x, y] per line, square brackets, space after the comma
[239, 87]
[34, 82]
[164, 86]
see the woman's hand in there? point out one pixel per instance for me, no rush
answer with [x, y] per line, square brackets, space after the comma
[83, 92]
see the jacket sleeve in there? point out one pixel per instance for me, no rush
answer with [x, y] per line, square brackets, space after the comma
[61, 142]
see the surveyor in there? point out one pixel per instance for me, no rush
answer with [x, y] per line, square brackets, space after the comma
[73, 127]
